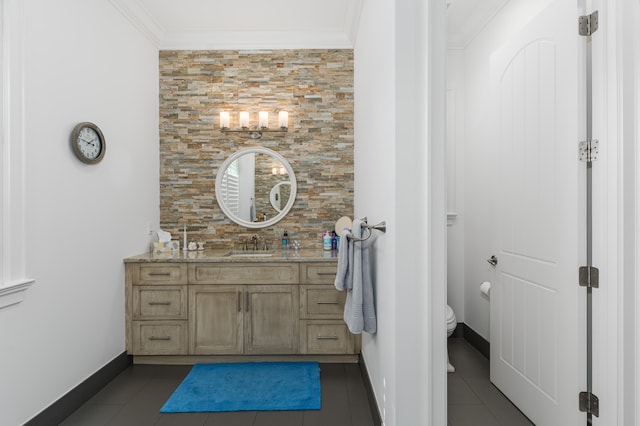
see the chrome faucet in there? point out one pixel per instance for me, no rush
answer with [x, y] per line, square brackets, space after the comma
[254, 240]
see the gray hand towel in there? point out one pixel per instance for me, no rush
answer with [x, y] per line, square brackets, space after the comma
[344, 276]
[359, 309]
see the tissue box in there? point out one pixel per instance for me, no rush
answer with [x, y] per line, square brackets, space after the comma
[169, 246]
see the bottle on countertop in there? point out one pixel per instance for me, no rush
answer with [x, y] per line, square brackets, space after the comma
[326, 241]
[285, 240]
[334, 241]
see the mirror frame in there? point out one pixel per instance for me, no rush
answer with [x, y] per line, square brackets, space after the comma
[292, 179]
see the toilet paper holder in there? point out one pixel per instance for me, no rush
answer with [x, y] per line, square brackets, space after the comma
[485, 289]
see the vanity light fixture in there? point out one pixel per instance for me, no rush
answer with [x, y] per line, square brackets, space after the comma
[257, 131]
[281, 170]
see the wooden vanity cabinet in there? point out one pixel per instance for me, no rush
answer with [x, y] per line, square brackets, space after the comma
[235, 308]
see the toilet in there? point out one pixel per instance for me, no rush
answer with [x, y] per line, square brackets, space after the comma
[451, 326]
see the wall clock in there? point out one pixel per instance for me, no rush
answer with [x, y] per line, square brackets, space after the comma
[88, 143]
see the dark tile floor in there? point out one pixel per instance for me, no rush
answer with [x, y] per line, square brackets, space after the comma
[472, 399]
[136, 395]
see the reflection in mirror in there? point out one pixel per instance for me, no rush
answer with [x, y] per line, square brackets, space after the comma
[245, 183]
[279, 192]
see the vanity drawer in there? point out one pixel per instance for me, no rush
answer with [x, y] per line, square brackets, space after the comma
[321, 302]
[159, 337]
[159, 302]
[325, 337]
[159, 273]
[318, 273]
[243, 273]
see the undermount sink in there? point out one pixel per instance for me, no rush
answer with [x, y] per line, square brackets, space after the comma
[249, 254]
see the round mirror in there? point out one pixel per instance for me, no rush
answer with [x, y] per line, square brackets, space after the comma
[279, 192]
[245, 184]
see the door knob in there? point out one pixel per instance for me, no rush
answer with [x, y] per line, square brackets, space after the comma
[493, 260]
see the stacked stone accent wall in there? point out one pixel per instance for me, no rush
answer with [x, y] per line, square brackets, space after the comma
[314, 86]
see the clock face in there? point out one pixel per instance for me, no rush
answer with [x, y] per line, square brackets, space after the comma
[88, 143]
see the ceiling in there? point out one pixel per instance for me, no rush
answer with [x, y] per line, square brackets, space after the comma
[466, 18]
[283, 24]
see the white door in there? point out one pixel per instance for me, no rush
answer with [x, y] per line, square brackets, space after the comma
[539, 219]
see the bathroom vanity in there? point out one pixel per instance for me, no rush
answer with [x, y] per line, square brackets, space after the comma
[193, 306]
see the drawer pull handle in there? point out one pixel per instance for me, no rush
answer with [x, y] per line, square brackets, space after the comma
[159, 303]
[160, 338]
[163, 274]
[320, 302]
[326, 273]
[327, 337]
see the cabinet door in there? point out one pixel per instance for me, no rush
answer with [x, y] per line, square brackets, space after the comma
[272, 319]
[215, 319]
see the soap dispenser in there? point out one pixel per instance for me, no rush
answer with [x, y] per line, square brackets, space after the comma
[285, 240]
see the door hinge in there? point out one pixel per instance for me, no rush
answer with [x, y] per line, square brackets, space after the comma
[588, 276]
[588, 150]
[589, 403]
[588, 24]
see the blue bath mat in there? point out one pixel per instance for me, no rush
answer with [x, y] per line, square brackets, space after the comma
[247, 386]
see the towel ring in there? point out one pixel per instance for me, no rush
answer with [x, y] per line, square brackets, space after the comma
[382, 226]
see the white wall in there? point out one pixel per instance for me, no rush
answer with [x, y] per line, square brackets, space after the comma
[455, 182]
[374, 183]
[392, 183]
[83, 62]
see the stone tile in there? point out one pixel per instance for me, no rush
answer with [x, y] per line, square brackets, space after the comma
[242, 418]
[471, 415]
[501, 408]
[459, 392]
[92, 414]
[314, 86]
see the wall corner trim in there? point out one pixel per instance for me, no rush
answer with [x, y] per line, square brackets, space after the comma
[13, 293]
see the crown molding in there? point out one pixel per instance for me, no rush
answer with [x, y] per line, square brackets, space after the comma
[143, 21]
[352, 20]
[255, 40]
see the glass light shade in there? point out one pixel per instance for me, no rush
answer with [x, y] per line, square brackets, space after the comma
[283, 119]
[224, 120]
[244, 119]
[263, 119]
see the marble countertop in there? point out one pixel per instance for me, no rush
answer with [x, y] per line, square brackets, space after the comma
[279, 255]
